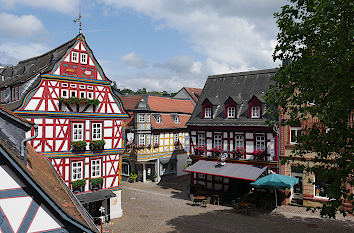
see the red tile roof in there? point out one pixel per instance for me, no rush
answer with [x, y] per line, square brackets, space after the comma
[163, 104]
[168, 123]
[129, 102]
[194, 92]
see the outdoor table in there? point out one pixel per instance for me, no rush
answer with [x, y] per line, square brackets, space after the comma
[199, 199]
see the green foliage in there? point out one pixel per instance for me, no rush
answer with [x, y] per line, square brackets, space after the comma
[316, 40]
[133, 176]
[97, 145]
[78, 145]
[96, 181]
[78, 183]
[143, 91]
[76, 100]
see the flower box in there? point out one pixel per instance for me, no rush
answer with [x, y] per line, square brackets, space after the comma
[156, 145]
[78, 185]
[216, 151]
[140, 146]
[97, 145]
[79, 101]
[149, 146]
[238, 152]
[78, 145]
[96, 183]
[200, 150]
[259, 154]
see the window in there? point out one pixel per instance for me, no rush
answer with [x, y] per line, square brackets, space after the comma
[207, 113]
[64, 85]
[201, 139]
[90, 87]
[64, 93]
[76, 170]
[157, 118]
[217, 140]
[175, 137]
[320, 185]
[255, 112]
[294, 133]
[95, 168]
[78, 132]
[141, 118]
[175, 118]
[201, 176]
[125, 169]
[75, 57]
[2, 95]
[72, 93]
[231, 112]
[156, 139]
[141, 140]
[15, 93]
[89, 95]
[73, 85]
[148, 118]
[239, 141]
[96, 131]
[82, 94]
[260, 143]
[83, 58]
[82, 86]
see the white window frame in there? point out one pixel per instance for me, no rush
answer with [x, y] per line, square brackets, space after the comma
[128, 165]
[217, 140]
[314, 190]
[82, 86]
[207, 113]
[141, 118]
[158, 118]
[239, 141]
[260, 142]
[90, 95]
[201, 139]
[78, 132]
[96, 168]
[90, 87]
[175, 137]
[73, 85]
[255, 112]
[77, 170]
[156, 139]
[82, 94]
[97, 130]
[64, 85]
[141, 140]
[66, 95]
[296, 130]
[176, 119]
[73, 93]
[231, 112]
[83, 58]
[75, 58]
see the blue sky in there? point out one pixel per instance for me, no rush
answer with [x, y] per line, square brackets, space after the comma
[157, 44]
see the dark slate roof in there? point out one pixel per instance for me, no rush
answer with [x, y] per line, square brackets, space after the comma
[231, 170]
[241, 87]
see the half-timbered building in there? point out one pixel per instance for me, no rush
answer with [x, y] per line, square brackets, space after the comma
[157, 136]
[80, 119]
[33, 197]
[229, 124]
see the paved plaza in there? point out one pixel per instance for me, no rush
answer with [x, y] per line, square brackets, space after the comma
[163, 207]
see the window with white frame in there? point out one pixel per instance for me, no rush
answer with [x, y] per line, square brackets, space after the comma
[156, 139]
[141, 139]
[75, 57]
[255, 112]
[96, 131]
[82, 94]
[207, 113]
[217, 140]
[72, 93]
[157, 118]
[175, 118]
[64, 85]
[73, 85]
[148, 118]
[125, 169]
[141, 118]
[82, 86]
[95, 168]
[89, 95]
[78, 132]
[201, 139]
[83, 58]
[231, 112]
[294, 133]
[76, 170]
[64, 93]
[175, 137]
[239, 141]
[90, 87]
[260, 143]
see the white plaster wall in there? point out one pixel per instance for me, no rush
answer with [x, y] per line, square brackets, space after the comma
[181, 163]
[116, 205]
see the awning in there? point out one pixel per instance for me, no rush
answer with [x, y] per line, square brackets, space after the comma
[231, 170]
[98, 195]
[275, 181]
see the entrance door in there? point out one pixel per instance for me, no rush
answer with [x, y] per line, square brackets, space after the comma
[297, 189]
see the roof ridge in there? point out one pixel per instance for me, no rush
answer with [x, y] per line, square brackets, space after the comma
[230, 75]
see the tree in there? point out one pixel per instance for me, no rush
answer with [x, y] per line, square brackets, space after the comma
[316, 40]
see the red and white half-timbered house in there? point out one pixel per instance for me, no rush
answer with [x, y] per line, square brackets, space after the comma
[80, 119]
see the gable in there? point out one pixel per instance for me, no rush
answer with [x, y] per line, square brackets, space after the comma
[79, 62]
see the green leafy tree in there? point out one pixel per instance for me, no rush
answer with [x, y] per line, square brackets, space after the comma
[316, 40]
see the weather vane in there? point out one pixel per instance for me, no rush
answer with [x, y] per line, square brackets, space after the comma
[78, 20]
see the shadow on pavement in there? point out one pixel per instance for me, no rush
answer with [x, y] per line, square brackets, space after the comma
[179, 184]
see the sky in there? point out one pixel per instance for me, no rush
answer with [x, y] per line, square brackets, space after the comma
[156, 44]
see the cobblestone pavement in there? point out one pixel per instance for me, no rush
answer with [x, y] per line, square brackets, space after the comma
[163, 207]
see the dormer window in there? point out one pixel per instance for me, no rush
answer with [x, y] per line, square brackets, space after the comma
[75, 57]
[255, 112]
[231, 112]
[175, 118]
[157, 118]
[207, 113]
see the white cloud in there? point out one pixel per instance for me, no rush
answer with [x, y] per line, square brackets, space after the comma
[133, 59]
[63, 6]
[182, 64]
[19, 26]
[10, 53]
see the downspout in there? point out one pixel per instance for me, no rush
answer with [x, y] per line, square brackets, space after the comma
[23, 144]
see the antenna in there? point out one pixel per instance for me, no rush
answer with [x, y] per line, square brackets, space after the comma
[78, 20]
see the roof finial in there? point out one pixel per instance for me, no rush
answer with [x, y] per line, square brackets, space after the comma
[78, 20]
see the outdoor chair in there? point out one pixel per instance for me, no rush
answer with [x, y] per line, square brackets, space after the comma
[191, 197]
[215, 199]
[206, 202]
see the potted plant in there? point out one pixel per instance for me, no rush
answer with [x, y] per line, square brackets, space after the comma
[78, 185]
[141, 146]
[200, 150]
[149, 146]
[78, 145]
[154, 178]
[133, 177]
[97, 145]
[96, 183]
[156, 145]
[78, 101]
[238, 152]
[216, 150]
[259, 154]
